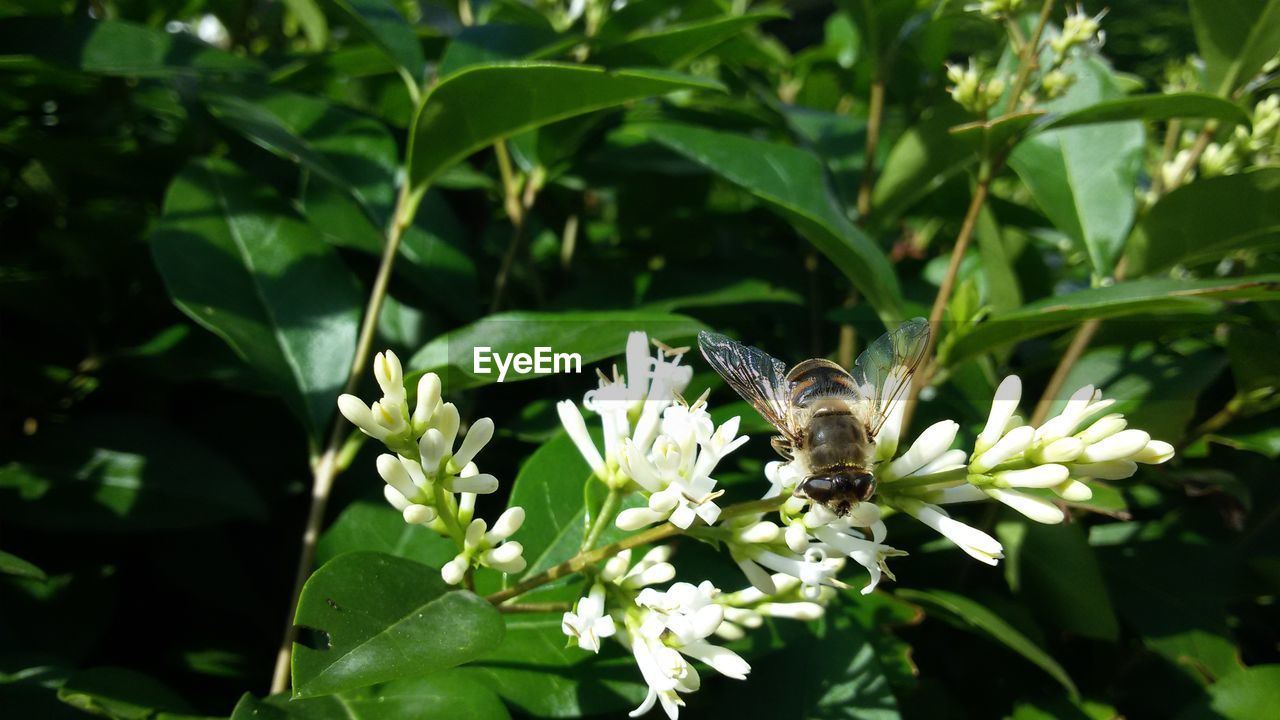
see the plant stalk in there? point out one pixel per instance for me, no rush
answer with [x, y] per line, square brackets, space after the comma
[588, 558]
[325, 467]
[1029, 58]
[608, 510]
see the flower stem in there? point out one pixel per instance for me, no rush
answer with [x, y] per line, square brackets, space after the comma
[874, 113]
[590, 557]
[608, 510]
[1029, 58]
[325, 467]
[948, 283]
[543, 607]
[1202, 142]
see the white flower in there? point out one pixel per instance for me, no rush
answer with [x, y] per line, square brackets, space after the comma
[665, 627]
[676, 470]
[649, 387]
[1003, 406]
[973, 541]
[928, 447]
[652, 569]
[489, 548]
[587, 623]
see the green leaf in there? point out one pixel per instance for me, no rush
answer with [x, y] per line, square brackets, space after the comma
[794, 183]
[1253, 693]
[1054, 570]
[1202, 221]
[121, 473]
[122, 694]
[1127, 298]
[967, 614]
[534, 671]
[448, 694]
[922, 160]
[1085, 177]
[1167, 106]
[433, 250]
[747, 290]
[676, 45]
[592, 335]
[1001, 282]
[458, 116]
[551, 489]
[384, 618]
[239, 262]
[838, 675]
[385, 27]
[117, 47]
[377, 527]
[354, 153]
[1236, 38]
[11, 564]
[495, 42]
[312, 20]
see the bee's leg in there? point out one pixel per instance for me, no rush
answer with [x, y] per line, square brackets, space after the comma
[782, 446]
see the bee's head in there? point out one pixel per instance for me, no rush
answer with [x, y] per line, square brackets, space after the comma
[839, 489]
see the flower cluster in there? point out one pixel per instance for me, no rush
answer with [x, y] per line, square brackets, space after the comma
[1254, 146]
[429, 481]
[662, 451]
[1015, 463]
[1079, 30]
[973, 88]
[996, 9]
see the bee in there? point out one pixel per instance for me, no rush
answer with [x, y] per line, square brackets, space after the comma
[829, 417]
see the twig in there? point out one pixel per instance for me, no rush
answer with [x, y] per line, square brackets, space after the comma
[587, 559]
[1171, 134]
[1029, 58]
[325, 468]
[1193, 158]
[517, 201]
[875, 111]
[944, 291]
[543, 607]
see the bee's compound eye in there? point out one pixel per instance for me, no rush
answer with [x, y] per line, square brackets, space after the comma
[864, 486]
[818, 488]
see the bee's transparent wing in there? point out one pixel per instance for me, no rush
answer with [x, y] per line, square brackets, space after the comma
[883, 371]
[759, 378]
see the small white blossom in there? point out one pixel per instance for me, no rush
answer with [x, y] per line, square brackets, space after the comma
[587, 623]
[489, 548]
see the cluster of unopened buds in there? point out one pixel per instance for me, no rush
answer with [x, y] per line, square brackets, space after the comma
[973, 88]
[429, 481]
[660, 453]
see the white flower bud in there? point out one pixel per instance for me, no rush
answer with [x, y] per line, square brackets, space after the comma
[504, 553]
[479, 435]
[390, 376]
[664, 501]
[1155, 452]
[419, 514]
[431, 449]
[973, 541]
[1108, 470]
[764, 532]
[576, 426]
[1007, 397]
[1008, 447]
[475, 533]
[447, 421]
[759, 578]
[797, 537]
[636, 518]
[454, 570]
[655, 574]
[1074, 491]
[1065, 423]
[1103, 428]
[393, 472]
[507, 523]
[722, 660]
[616, 566]
[1120, 446]
[428, 400]
[388, 416]
[1062, 450]
[932, 443]
[360, 415]
[793, 610]
[482, 484]
[1041, 476]
[393, 496]
[1034, 508]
